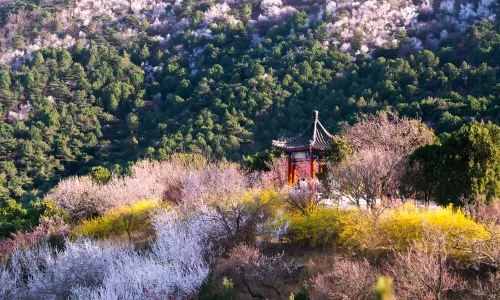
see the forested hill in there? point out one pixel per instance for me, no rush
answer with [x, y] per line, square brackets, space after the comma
[103, 83]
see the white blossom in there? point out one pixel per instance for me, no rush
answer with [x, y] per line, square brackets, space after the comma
[374, 21]
[417, 43]
[175, 266]
[21, 114]
[217, 12]
[447, 6]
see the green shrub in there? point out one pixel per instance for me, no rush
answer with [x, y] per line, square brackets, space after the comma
[100, 175]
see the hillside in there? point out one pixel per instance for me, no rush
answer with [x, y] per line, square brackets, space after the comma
[90, 83]
[125, 125]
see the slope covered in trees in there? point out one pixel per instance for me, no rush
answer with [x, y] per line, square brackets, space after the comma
[104, 83]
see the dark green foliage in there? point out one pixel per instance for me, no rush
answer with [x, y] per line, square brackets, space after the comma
[100, 175]
[224, 292]
[258, 161]
[338, 151]
[464, 166]
[424, 176]
[13, 217]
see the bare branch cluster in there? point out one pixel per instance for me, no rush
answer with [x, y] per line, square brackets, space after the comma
[381, 144]
[348, 279]
[248, 267]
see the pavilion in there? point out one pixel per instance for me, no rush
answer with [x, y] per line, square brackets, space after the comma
[308, 146]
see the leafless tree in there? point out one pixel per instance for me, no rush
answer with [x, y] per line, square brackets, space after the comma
[488, 289]
[367, 175]
[381, 144]
[257, 273]
[485, 251]
[303, 199]
[348, 279]
[424, 272]
[387, 132]
[489, 213]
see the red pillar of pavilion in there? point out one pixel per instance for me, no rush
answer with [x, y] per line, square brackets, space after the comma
[312, 167]
[289, 170]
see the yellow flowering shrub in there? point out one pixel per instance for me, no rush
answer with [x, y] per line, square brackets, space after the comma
[320, 228]
[455, 224]
[116, 222]
[398, 228]
[394, 229]
[357, 231]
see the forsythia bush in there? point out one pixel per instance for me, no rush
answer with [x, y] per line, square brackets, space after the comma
[400, 227]
[320, 228]
[394, 229]
[116, 222]
[358, 232]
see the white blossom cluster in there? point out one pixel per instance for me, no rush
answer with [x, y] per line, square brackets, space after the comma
[74, 20]
[449, 18]
[219, 12]
[175, 266]
[468, 11]
[17, 56]
[275, 11]
[85, 10]
[373, 21]
[21, 114]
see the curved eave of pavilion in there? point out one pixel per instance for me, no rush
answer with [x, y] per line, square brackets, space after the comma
[315, 138]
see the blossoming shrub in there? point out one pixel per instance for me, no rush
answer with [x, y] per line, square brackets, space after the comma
[400, 227]
[173, 267]
[117, 222]
[358, 232]
[393, 230]
[81, 197]
[397, 229]
[319, 228]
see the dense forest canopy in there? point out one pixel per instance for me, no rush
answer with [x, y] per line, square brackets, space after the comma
[105, 83]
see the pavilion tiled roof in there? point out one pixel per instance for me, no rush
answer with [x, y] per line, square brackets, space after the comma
[314, 138]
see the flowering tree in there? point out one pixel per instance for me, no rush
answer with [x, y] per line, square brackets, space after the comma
[218, 12]
[277, 176]
[373, 23]
[175, 266]
[274, 11]
[381, 145]
[83, 197]
[48, 227]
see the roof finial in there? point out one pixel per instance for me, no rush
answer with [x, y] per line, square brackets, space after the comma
[315, 115]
